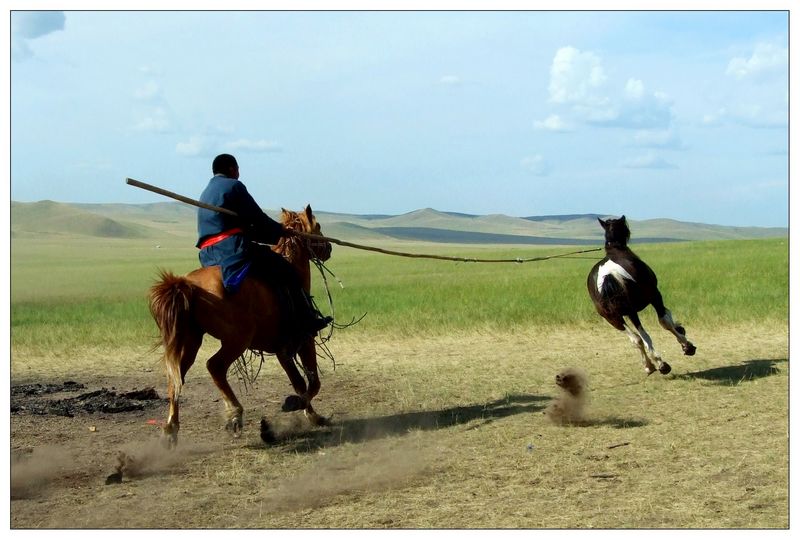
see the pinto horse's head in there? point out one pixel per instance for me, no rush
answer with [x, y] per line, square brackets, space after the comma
[617, 232]
[306, 222]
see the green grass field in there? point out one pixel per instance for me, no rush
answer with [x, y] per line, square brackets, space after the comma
[71, 293]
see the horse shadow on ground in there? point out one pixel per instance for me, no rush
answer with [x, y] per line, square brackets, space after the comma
[359, 430]
[733, 375]
[615, 422]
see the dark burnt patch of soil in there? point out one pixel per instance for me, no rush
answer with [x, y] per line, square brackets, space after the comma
[59, 399]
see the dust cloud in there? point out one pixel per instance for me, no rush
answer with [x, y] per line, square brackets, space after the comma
[374, 466]
[33, 472]
[153, 457]
[569, 406]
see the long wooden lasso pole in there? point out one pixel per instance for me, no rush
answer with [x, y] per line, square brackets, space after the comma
[199, 204]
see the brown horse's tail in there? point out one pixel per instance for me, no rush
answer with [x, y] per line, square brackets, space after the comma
[170, 302]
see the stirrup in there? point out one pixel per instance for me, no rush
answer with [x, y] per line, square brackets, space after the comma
[318, 323]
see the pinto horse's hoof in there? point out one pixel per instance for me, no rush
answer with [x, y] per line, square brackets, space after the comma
[267, 435]
[664, 368]
[316, 420]
[689, 349]
[293, 403]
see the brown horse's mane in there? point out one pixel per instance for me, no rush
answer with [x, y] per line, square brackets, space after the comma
[293, 219]
[290, 247]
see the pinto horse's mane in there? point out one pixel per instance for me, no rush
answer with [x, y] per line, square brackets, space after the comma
[617, 233]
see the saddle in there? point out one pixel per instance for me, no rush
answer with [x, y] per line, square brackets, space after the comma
[296, 307]
[234, 281]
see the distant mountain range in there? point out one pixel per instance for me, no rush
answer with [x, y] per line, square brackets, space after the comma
[172, 219]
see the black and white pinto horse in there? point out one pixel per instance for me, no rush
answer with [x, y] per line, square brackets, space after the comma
[621, 285]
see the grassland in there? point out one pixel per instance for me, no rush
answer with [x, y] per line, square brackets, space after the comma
[436, 398]
[87, 292]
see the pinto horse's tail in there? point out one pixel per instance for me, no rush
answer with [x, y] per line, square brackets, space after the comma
[170, 303]
[614, 295]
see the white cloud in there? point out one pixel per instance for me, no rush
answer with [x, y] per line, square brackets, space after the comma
[223, 129]
[552, 123]
[576, 77]
[195, 146]
[760, 114]
[750, 114]
[756, 90]
[648, 161]
[157, 121]
[715, 118]
[766, 58]
[35, 24]
[154, 109]
[210, 141]
[30, 25]
[634, 89]
[638, 109]
[580, 86]
[663, 138]
[94, 165]
[536, 164]
[148, 91]
[450, 80]
[150, 70]
[246, 145]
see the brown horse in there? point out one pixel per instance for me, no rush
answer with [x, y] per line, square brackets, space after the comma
[186, 308]
[621, 285]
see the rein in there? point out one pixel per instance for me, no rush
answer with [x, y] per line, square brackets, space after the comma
[297, 243]
[322, 269]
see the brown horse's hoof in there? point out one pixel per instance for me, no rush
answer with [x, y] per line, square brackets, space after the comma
[115, 478]
[267, 435]
[293, 403]
[169, 437]
[689, 350]
[664, 368]
[234, 426]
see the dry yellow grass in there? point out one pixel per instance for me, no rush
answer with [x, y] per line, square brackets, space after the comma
[434, 432]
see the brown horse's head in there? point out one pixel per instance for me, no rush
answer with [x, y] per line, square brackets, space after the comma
[305, 222]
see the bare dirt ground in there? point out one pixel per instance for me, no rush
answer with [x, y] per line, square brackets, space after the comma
[426, 432]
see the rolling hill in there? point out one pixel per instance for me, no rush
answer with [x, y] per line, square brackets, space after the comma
[49, 217]
[172, 219]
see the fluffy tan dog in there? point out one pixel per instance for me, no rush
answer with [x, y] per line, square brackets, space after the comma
[568, 407]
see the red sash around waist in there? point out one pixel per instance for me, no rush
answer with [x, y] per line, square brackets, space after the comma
[211, 240]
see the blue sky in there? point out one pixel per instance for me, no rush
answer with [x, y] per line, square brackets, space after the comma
[650, 114]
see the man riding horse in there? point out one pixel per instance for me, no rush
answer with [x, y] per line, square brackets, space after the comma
[238, 245]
